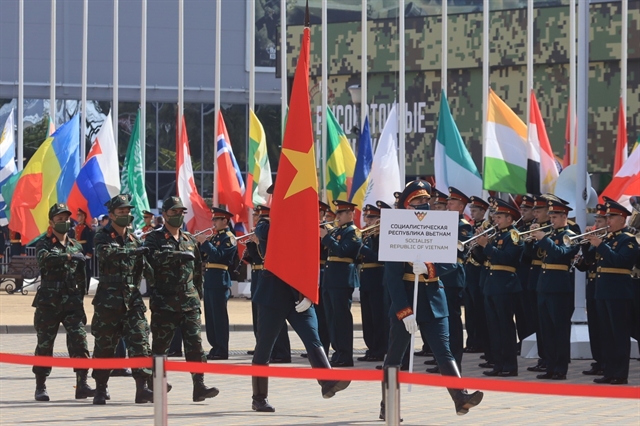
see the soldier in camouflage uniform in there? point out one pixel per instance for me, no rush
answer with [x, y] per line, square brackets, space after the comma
[119, 309]
[176, 290]
[59, 299]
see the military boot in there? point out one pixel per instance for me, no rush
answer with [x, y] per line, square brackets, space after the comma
[41, 388]
[200, 391]
[143, 393]
[461, 398]
[259, 401]
[83, 391]
[150, 384]
[100, 397]
[318, 359]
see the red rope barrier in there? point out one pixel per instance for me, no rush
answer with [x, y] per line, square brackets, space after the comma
[539, 388]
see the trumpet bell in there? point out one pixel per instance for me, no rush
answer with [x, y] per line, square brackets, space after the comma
[515, 235]
[567, 241]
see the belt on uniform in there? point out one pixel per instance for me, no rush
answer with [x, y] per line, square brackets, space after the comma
[371, 265]
[14, 241]
[503, 268]
[216, 266]
[620, 271]
[257, 267]
[115, 279]
[487, 263]
[82, 241]
[339, 259]
[555, 267]
[536, 262]
[472, 261]
[56, 284]
[460, 261]
[322, 261]
[421, 278]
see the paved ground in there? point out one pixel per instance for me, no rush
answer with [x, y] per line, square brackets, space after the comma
[298, 402]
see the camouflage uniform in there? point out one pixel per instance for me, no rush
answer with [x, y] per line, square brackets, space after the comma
[60, 300]
[119, 308]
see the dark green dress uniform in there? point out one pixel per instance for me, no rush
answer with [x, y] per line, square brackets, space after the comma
[501, 290]
[59, 300]
[340, 278]
[615, 258]
[219, 252]
[556, 301]
[119, 311]
[372, 294]
[176, 292]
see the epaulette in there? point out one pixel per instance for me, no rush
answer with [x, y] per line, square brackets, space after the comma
[465, 221]
[230, 234]
[570, 222]
[569, 231]
[629, 234]
[352, 226]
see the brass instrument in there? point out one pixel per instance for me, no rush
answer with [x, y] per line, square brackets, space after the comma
[516, 236]
[243, 239]
[211, 230]
[370, 230]
[462, 245]
[579, 239]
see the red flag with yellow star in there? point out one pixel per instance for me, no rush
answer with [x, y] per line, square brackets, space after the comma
[293, 251]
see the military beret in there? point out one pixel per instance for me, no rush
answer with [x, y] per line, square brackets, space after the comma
[57, 209]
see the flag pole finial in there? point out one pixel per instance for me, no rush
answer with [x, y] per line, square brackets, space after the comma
[306, 15]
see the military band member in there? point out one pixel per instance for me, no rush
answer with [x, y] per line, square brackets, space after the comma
[372, 290]
[485, 264]
[526, 317]
[616, 255]
[438, 200]
[325, 215]
[177, 290]
[501, 289]
[60, 299]
[83, 233]
[556, 291]
[432, 307]
[219, 251]
[147, 217]
[119, 311]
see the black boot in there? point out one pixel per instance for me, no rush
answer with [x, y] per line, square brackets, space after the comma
[383, 411]
[143, 393]
[259, 401]
[83, 391]
[41, 388]
[463, 401]
[100, 397]
[200, 391]
[318, 359]
[150, 384]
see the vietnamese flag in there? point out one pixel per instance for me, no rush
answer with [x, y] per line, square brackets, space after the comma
[294, 230]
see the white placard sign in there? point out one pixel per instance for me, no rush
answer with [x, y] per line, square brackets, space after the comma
[425, 235]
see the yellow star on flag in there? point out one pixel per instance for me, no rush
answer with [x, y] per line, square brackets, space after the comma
[305, 165]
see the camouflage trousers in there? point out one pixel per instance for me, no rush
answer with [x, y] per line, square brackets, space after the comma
[46, 322]
[163, 326]
[108, 326]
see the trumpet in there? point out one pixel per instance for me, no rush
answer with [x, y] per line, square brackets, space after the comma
[579, 239]
[370, 230]
[517, 236]
[463, 244]
[210, 230]
[242, 239]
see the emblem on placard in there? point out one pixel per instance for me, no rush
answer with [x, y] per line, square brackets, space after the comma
[420, 215]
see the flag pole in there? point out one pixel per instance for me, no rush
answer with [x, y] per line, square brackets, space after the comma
[445, 47]
[85, 41]
[572, 81]
[624, 54]
[325, 88]
[485, 79]
[216, 201]
[143, 85]
[364, 106]
[114, 105]
[283, 64]
[529, 60]
[20, 84]
[180, 65]
[401, 96]
[52, 69]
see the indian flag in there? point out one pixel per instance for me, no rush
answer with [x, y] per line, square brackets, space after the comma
[453, 163]
[341, 162]
[505, 160]
[259, 169]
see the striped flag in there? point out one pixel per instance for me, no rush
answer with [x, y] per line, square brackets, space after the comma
[259, 169]
[361, 172]
[541, 165]
[231, 189]
[621, 153]
[625, 183]
[132, 178]
[340, 161]
[453, 163]
[7, 162]
[505, 161]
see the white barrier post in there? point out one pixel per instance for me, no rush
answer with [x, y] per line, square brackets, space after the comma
[392, 396]
[159, 391]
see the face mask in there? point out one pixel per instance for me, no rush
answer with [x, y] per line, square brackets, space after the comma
[123, 221]
[175, 221]
[62, 227]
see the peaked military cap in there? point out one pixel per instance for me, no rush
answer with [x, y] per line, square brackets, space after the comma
[262, 210]
[146, 213]
[342, 206]
[172, 202]
[415, 189]
[371, 210]
[540, 202]
[557, 206]
[456, 194]
[615, 208]
[527, 202]
[220, 213]
[323, 206]
[601, 210]
[502, 206]
[478, 202]
[119, 201]
[438, 197]
[82, 211]
[57, 209]
[382, 205]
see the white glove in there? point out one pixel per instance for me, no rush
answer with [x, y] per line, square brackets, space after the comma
[303, 305]
[420, 268]
[410, 323]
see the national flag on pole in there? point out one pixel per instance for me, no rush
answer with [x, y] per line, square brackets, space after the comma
[99, 177]
[231, 189]
[361, 172]
[47, 179]
[198, 214]
[453, 163]
[259, 169]
[132, 178]
[295, 198]
[52, 127]
[621, 140]
[341, 162]
[541, 165]
[505, 161]
[384, 178]
[626, 183]
[7, 162]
